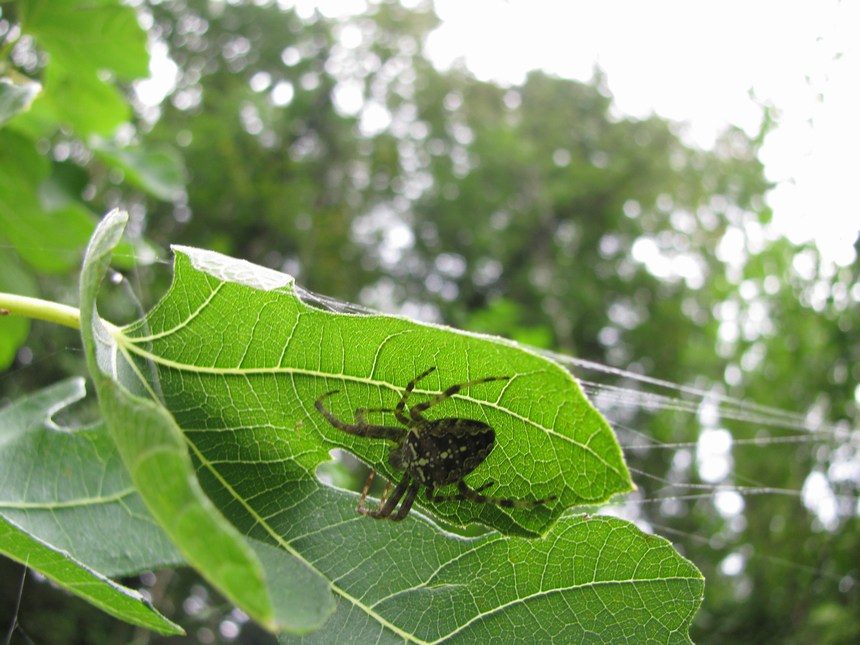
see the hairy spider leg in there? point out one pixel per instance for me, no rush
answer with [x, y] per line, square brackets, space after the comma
[416, 410]
[401, 404]
[467, 493]
[362, 428]
[485, 486]
[411, 494]
[361, 508]
[360, 412]
[385, 510]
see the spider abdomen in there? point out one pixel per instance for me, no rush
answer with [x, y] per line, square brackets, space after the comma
[444, 451]
[433, 453]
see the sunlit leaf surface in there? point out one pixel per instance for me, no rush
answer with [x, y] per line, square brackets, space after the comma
[239, 359]
[153, 450]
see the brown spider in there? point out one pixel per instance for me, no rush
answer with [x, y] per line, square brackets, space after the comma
[432, 453]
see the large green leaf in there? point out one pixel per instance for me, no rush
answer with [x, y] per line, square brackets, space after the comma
[50, 241]
[68, 487]
[60, 567]
[230, 331]
[153, 450]
[238, 359]
[68, 509]
[89, 35]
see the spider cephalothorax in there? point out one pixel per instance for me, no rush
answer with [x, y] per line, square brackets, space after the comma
[432, 453]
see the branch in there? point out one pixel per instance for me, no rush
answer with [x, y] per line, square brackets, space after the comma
[40, 309]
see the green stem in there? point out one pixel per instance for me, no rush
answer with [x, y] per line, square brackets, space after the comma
[40, 309]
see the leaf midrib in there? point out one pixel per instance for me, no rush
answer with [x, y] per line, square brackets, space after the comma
[71, 503]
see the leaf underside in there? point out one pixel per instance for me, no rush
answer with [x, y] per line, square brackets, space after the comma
[68, 509]
[269, 355]
[238, 358]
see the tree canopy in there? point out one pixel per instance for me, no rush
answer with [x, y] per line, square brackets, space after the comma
[332, 149]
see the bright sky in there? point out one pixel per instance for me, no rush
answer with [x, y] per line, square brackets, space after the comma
[700, 63]
[707, 64]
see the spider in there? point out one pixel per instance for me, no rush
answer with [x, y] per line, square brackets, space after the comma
[432, 453]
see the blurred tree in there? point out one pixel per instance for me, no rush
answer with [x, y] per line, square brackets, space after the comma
[790, 341]
[68, 152]
[280, 170]
[333, 149]
[533, 212]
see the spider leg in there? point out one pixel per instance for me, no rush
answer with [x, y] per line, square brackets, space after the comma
[401, 404]
[385, 492]
[362, 428]
[485, 486]
[416, 410]
[407, 502]
[390, 504]
[474, 495]
[361, 508]
[360, 412]
[452, 498]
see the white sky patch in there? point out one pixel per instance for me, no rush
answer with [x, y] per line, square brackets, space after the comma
[729, 503]
[163, 74]
[329, 8]
[375, 118]
[699, 63]
[667, 267]
[714, 456]
[705, 64]
[819, 498]
[348, 97]
[283, 93]
[732, 564]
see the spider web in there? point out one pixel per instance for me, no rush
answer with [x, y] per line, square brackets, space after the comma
[702, 469]
[627, 398]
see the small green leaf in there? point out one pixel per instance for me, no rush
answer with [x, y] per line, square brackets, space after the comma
[159, 172]
[69, 488]
[16, 97]
[58, 566]
[37, 122]
[81, 100]
[52, 242]
[20, 165]
[89, 35]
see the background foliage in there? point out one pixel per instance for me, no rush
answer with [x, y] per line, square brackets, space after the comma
[521, 211]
